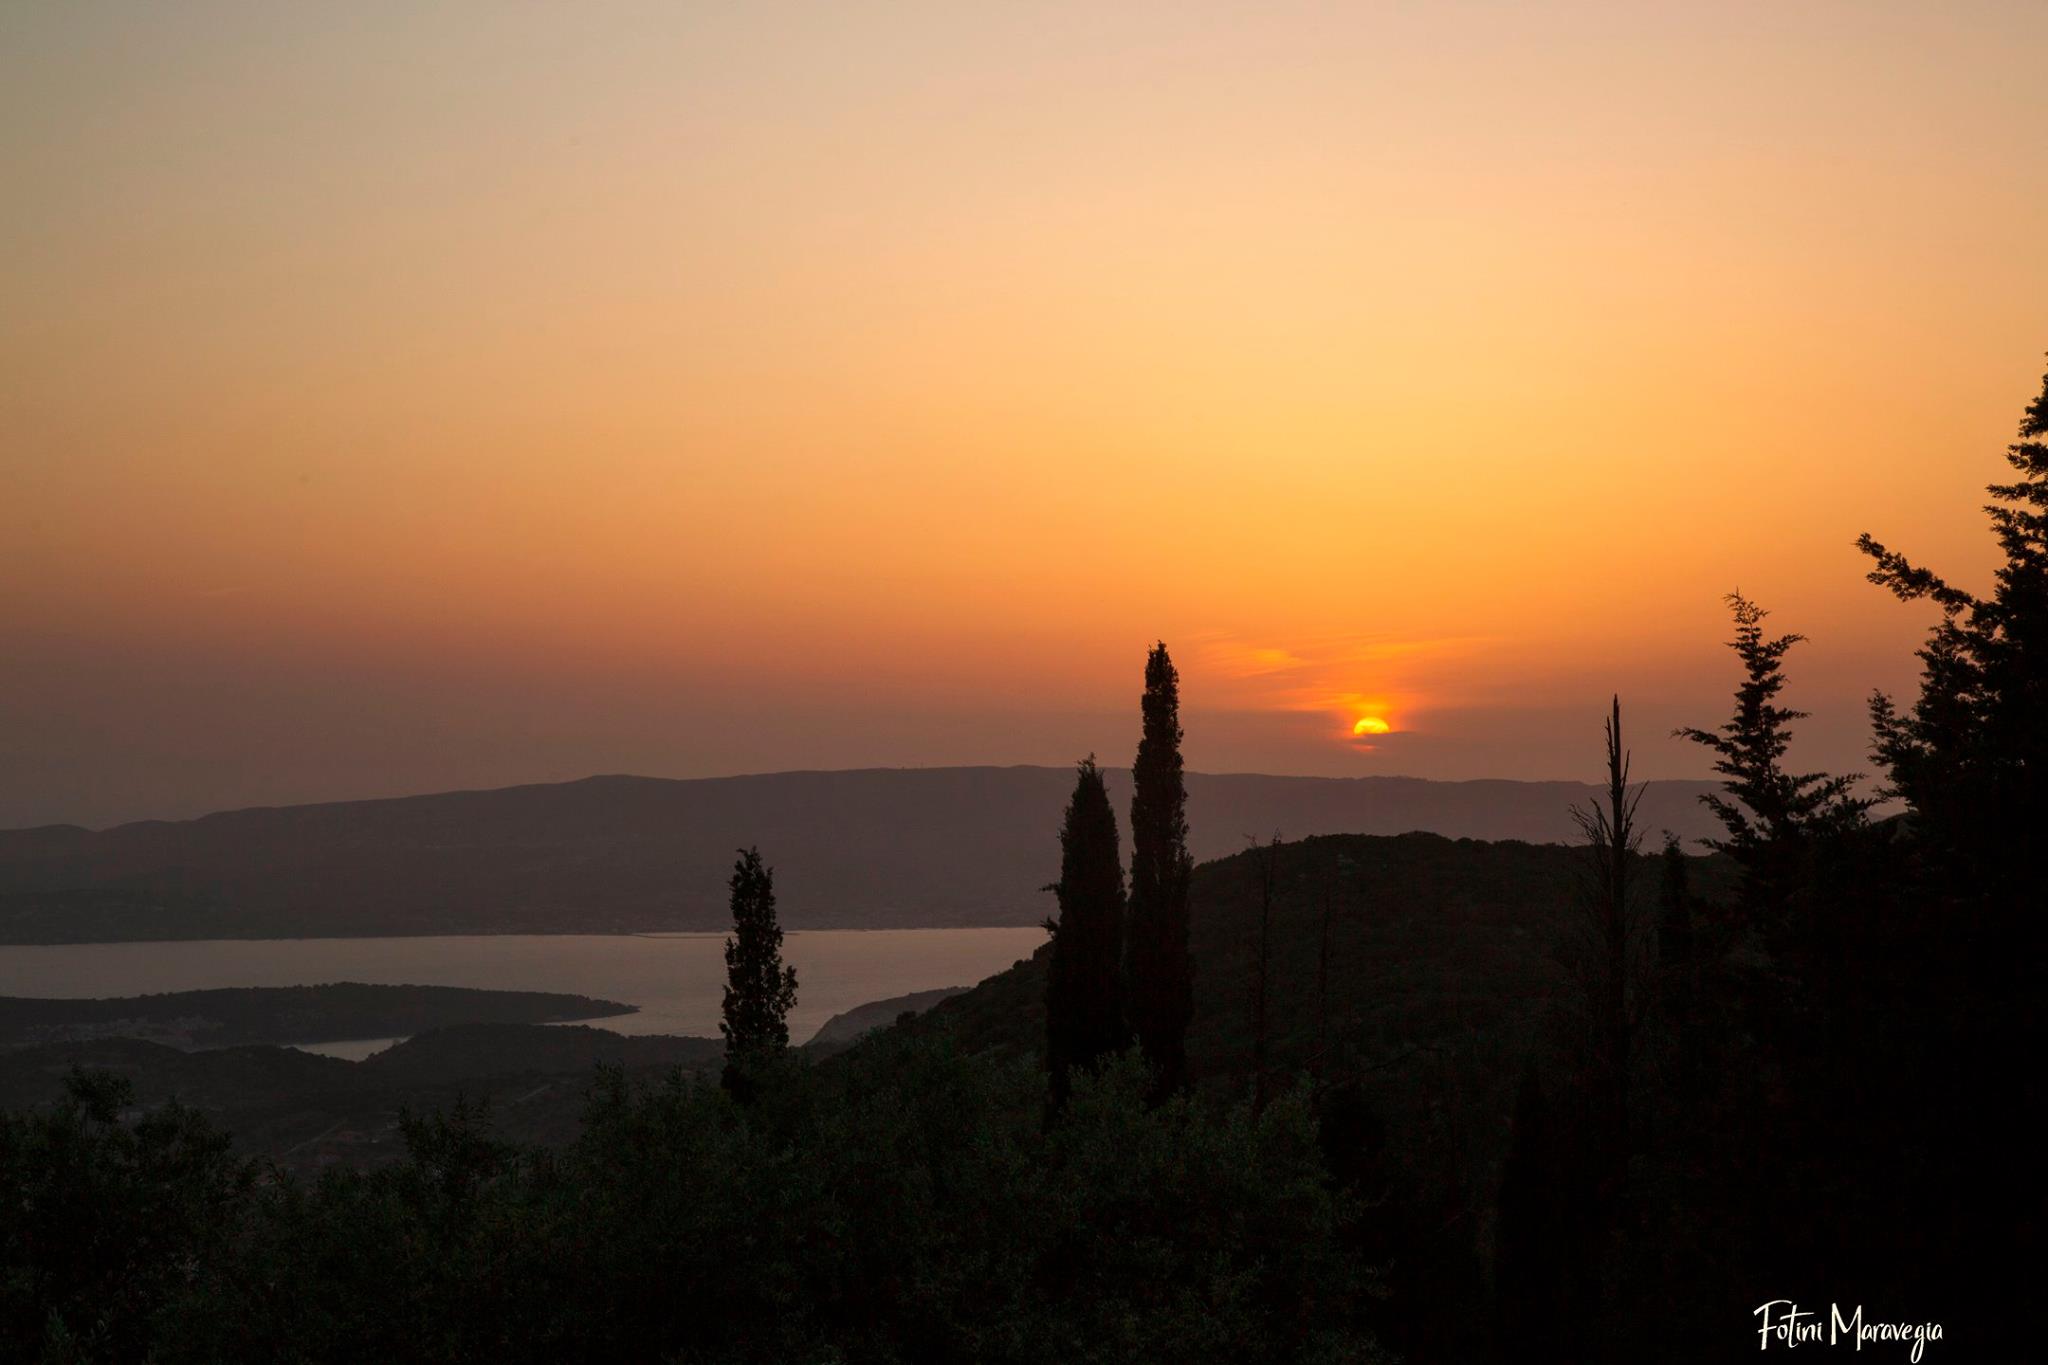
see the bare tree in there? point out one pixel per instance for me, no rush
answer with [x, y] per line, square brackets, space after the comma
[1613, 936]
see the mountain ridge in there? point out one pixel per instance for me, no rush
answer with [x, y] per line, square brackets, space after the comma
[613, 853]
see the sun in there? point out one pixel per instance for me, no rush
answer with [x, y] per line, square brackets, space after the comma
[1371, 725]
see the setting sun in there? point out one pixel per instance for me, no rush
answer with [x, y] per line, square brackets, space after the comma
[1371, 725]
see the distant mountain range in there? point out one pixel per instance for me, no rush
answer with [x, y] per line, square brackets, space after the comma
[871, 848]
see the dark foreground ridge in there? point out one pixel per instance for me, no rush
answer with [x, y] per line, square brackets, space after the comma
[307, 1112]
[868, 849]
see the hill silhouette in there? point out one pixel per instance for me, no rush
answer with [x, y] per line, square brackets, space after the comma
[871, 848]
[241, 1015]
[1432, 941]
[1442, 974]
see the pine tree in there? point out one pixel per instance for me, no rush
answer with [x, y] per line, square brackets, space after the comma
[759, 989]
[1084, 1009]
[1970, 759]
[1161, 974]
[1971, 756]
[1771, 815]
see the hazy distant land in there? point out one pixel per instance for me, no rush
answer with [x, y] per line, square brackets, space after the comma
[874, 848]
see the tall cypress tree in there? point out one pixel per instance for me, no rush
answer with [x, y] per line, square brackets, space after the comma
[1532, 1245]
[1674, 907]
[1676, 958]
[1161, 975]
[759, 989]
[1084, 1008]
[1771, 815]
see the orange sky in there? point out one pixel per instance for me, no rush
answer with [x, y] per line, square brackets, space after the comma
[393, 401]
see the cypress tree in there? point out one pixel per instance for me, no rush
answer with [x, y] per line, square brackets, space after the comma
[1161, 975]
[1268, 856]
[1771, 815]
[1674, 908]
[759, 989]
[1084, 1015]
[1676, 958]
[1531, 1245]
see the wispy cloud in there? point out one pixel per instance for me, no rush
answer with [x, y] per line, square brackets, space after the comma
[1347, 677]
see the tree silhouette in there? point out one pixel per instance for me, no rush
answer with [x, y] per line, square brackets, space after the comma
[1971, 755]
[1770, 814]
[759, 989]
[1610, 965]
[1161, 975]
[1674, 907]
[1319, 1060]
[1267, 858]
[1678, 958]
[1529, 1279]
[1084, 1008]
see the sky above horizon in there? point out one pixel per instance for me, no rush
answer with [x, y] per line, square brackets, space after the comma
[400, 398]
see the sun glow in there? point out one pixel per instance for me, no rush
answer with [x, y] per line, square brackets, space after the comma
[1371, 725]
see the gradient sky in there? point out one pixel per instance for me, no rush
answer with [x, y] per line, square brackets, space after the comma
[399, 398]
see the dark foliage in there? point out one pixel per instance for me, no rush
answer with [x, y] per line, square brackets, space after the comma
[1970, 756]
[1674, 908]
[1161, 991]
[1961, 888]
[759, 990]
[902, 1203]
[108, 1224]
[1084, 1009]
[1531, 1289]
[1772, 816]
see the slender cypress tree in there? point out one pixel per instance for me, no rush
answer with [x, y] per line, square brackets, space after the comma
[1084, 1011]
[1676, 958]
[1674, 907]
[1268, 855]
[1161, 974]
[1322, 1052]
[1771, 815]
[759, 989]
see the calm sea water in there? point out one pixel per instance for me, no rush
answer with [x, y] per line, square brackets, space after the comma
[677, 980]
